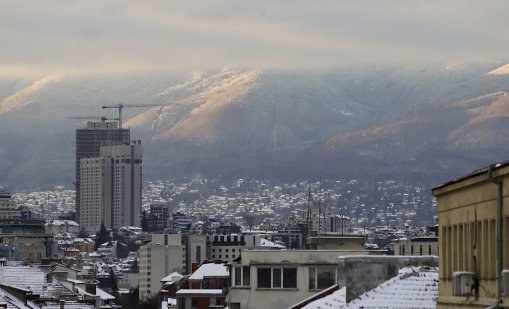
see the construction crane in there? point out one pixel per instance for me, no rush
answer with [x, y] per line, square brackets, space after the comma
[122, 106]
[102, 118]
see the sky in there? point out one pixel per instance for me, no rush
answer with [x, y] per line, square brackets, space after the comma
[122, 36]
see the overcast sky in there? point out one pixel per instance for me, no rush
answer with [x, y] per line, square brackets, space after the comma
[46, 36]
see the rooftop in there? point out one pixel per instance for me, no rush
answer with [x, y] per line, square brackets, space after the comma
[210, 270]
[413, 287]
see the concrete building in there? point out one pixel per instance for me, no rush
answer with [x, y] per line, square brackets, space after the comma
[89, 141]
[278, 279]
[336, 242]
[417, 246]
[197, 248]
[7, 209]
[227, 247]
[111, 186]
[473, 218]
[62, 226]
[27, 239]
[165, 254]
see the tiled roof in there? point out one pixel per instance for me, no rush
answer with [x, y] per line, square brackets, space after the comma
[414, 287]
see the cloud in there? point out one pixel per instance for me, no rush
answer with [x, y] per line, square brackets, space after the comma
[129, 35]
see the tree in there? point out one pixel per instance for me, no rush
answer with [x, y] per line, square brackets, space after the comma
[82, 234]
[250, 220]
[102, 236]
[144, 222]
[135, 267]
[112, 282]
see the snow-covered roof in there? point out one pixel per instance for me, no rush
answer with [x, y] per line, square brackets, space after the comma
[414, 287]
[267, 243]
[98, 292]
[204, 292]
[210, 270]
[171, 278]
[33, 279]
[62, 222]
[11, 301]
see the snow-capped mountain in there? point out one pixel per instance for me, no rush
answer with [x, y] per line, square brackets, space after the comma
[427, 122]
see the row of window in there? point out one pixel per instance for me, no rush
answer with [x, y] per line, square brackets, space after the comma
[220, 256]
[220, 250]
[320, 277]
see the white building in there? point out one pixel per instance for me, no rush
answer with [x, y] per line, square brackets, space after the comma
[227, 247]
[279, 279]
[111, 188]
[164, 255]
[62, 226]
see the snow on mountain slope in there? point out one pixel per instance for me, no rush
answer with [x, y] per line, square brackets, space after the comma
[503, 70]
[26, 96]
[196, 118]
[485, 123]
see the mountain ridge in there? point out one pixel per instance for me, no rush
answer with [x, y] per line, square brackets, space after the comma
[430, 122]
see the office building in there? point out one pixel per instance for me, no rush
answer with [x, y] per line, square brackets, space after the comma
[88, 144]
[111, 186]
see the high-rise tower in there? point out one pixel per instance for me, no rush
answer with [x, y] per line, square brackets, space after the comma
[111, 187]
[88, 144]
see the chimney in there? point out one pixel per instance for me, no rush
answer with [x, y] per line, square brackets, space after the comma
[98, 302]
[3, 306]
[90, 288]
[194, 267]
[62, 304]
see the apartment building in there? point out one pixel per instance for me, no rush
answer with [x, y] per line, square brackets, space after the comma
[278, 279]
[165, 254]
[473, 217]
[415, 246]
[111, 186]
[89, 141]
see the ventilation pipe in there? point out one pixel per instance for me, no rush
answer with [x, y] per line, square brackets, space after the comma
[500, 206]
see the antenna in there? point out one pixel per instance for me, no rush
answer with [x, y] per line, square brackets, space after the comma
[309, 210]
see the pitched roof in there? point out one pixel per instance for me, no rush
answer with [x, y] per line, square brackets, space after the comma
[210, 270]
[413, 287]
[173, 277]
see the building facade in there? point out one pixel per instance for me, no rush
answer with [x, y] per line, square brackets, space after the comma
[89, 141]
[111, 186]
[279, 279]
[165, 254]
[473, 218]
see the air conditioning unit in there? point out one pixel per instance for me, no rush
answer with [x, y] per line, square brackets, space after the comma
[462, 283]
[505, 282]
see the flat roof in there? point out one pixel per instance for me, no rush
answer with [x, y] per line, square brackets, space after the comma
[474, 173]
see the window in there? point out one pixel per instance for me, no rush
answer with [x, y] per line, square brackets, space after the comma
[277, 277]
[242, 276]
[322, 277]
